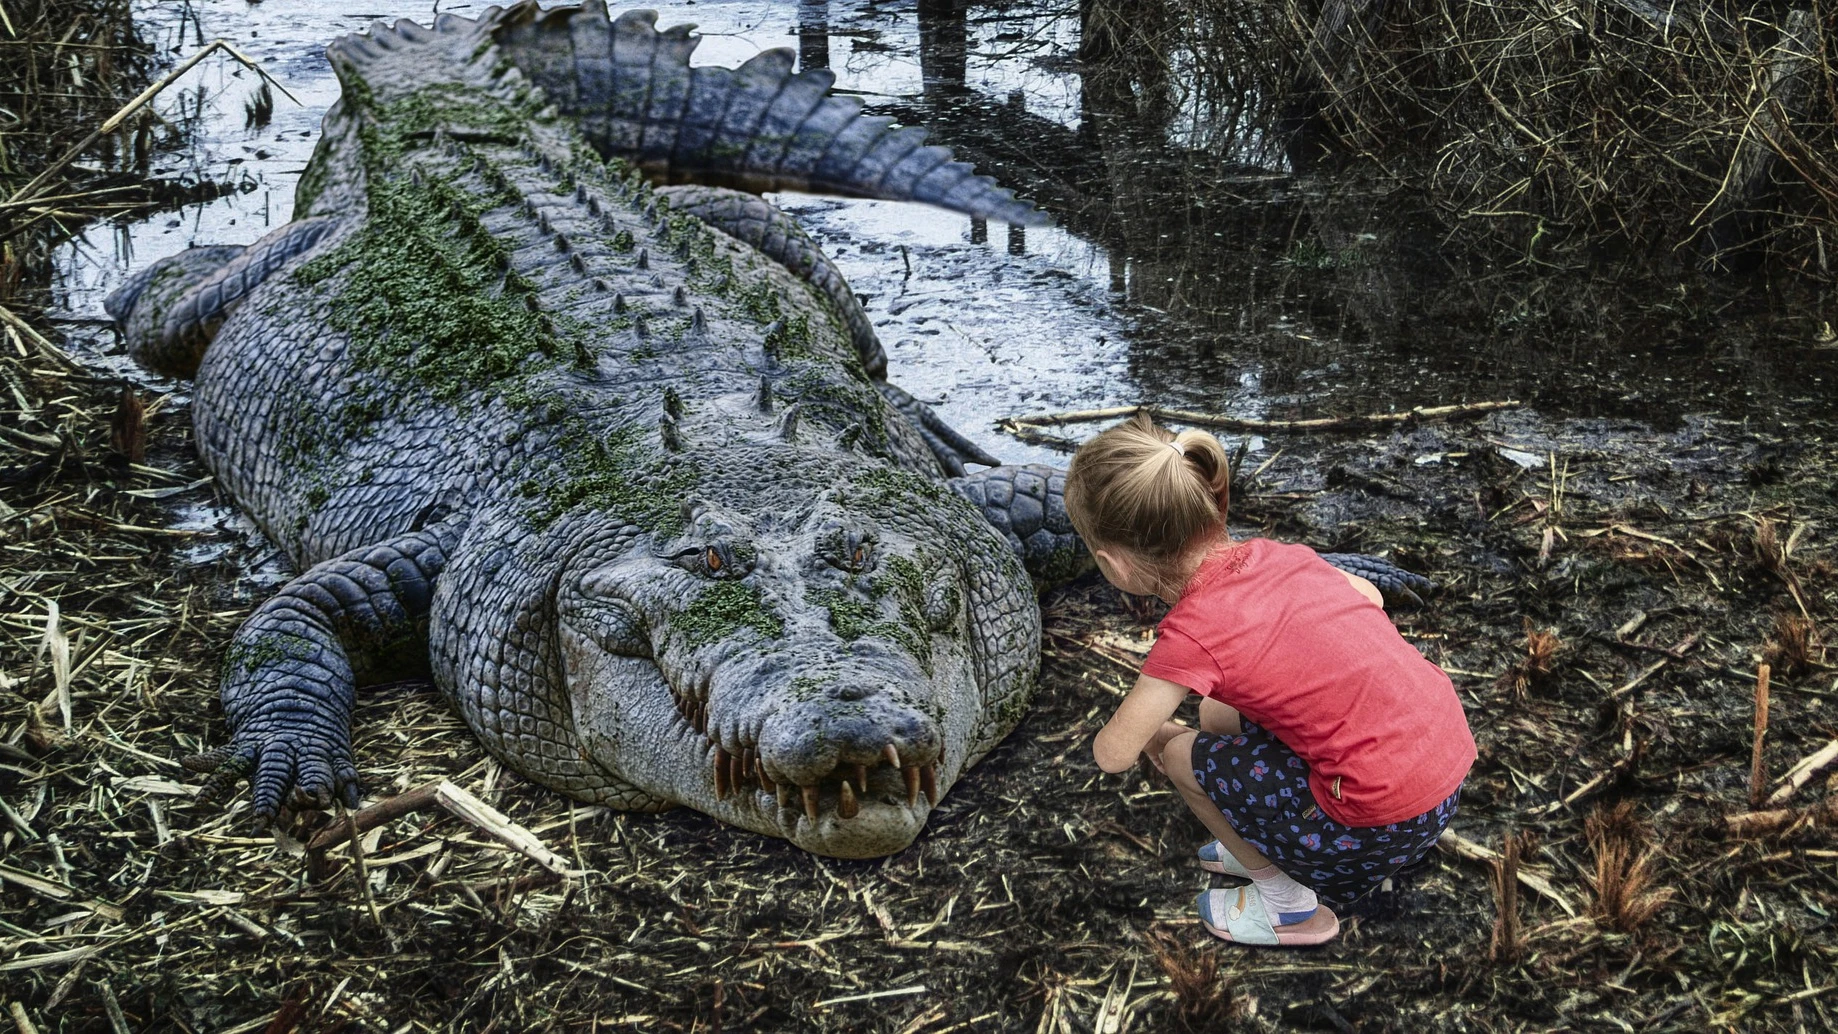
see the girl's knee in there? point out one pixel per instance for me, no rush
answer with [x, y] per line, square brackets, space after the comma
[1177, 759]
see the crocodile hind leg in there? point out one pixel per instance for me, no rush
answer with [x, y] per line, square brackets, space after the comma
[290, 677]
[756, 221]
[170, 311]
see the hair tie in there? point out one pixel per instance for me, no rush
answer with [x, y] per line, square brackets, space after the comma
[1176, 446]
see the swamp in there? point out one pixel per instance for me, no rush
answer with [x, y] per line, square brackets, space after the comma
[1531, 297]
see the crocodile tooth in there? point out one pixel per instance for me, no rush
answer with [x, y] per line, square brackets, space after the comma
[861, 779]
[679, 297]
[721, 774]
[810, 804]
[911, 772]
[765, 780]
[736, 772]
[892, 755]
[783, 792]
[928, 781]
[644, 258]
[846, 806]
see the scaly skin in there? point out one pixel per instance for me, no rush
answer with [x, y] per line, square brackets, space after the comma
[631, 475]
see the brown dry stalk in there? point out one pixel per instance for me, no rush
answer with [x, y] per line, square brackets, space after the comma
[1792, 647]
[1758, 776]
[1508, 942]
[1535, 668]
[1202, 996]
[1627, 889]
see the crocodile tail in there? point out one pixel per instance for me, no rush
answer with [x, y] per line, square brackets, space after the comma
[758, 127]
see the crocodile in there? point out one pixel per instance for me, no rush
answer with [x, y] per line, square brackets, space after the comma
[544, 400]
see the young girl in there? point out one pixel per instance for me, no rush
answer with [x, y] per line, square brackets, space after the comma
[1330, 753]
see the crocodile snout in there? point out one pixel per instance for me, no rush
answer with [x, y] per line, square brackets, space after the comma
[848, 743]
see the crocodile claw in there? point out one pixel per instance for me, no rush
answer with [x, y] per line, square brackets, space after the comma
[952, 448]
[1394, 583]
[279, 772]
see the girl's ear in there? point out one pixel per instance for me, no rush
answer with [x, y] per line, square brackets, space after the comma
[1117, 569]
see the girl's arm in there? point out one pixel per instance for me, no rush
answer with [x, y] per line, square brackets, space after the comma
[1138, 719]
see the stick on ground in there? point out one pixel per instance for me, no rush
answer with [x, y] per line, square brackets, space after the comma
[1802, 773]
[1757, 776]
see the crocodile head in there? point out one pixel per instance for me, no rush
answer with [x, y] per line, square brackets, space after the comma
[815, 656]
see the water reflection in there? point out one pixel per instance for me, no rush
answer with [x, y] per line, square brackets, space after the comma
[1337, 293]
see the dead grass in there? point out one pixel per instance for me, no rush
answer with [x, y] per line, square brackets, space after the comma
[1548, 135]
[1628, 891]
[1538, 664]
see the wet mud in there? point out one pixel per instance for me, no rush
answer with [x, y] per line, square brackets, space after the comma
[1615, 558]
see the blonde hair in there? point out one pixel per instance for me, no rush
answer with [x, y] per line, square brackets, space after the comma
[1140, 488]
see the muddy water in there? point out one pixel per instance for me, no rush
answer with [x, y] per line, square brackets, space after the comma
[1200, 277]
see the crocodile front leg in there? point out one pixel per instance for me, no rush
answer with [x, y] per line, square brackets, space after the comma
[289, 681]
[951, 448]
[1027, 504]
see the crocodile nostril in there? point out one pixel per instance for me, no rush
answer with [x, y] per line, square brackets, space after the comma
[850, 691]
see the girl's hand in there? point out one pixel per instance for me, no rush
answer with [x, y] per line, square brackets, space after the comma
[1159, 743]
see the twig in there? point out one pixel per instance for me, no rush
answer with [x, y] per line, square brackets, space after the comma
[51, 351]
[1757, 823]
[360, 822]
[1802, 773]
[1462, 847]
[463, 806]
[1757, 777]
[363, 869]
[113, 122]
[1015, 425]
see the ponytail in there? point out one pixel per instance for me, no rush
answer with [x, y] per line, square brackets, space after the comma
[1142, 489]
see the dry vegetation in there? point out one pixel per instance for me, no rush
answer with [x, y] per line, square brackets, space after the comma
[1546, 134]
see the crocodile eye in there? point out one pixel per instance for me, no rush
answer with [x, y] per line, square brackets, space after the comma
[859, 559]
[712, 559]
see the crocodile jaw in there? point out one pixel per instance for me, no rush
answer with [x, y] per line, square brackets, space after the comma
[819, 771]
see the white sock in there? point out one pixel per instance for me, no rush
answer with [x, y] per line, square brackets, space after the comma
[1286, 902]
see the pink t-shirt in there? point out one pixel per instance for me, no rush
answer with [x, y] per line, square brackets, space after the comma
[1279, 634]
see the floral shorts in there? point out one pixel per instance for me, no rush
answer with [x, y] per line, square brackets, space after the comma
[1261, 787]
